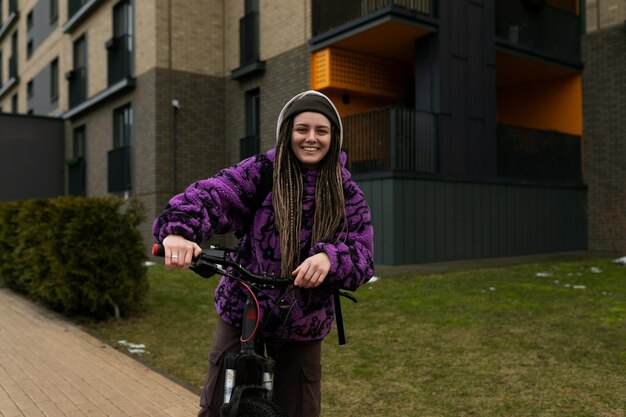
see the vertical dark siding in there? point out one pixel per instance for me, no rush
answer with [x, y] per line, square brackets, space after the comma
[420, 221]
[32, 157]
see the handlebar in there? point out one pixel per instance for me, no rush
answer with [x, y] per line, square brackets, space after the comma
[215, 259]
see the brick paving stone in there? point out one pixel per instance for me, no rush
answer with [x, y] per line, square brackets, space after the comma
[51, 368]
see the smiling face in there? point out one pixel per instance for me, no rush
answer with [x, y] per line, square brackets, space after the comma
[310, 138]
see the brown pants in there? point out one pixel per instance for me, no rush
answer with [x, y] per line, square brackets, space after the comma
[297, 378]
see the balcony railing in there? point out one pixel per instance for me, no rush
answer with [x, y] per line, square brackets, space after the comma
[119, 50]
[546, 29]
[391, 139]
[119, 174]
[538, 155]
[77, 184]
[77, 86]
[248, 146]
[74, 6]
[249, 39]
[329, 14]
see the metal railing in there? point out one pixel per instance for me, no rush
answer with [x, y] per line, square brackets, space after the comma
[119, 58]
[391, 139]
[248, 146]
[249, 39]
[77, 82]
[329, 14]
[119, 170]
[546, 29]
[73, 6]
[538, 155]
[77, 183]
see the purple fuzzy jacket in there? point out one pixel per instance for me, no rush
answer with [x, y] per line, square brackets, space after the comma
[221, 204]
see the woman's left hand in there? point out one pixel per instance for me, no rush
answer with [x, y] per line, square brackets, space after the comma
[312, 272]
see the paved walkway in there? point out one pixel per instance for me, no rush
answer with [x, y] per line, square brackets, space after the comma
[51, 368]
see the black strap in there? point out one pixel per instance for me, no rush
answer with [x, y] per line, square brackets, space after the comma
[341, 334]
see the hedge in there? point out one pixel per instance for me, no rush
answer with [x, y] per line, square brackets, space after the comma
[77, 255]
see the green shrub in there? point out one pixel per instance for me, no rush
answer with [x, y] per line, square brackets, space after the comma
[77, 255]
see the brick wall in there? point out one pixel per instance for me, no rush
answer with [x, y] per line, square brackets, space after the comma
[285, 76]
[604, 13]
[604, 110]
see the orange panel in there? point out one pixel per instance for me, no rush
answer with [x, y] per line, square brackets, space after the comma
[548, 104]
[354, 72]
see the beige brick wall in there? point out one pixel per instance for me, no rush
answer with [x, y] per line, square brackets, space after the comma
[146, 12]
[233, 11]
[56, 45]
[97, 29]
[196, 36]
[601, 14]
[284, 25]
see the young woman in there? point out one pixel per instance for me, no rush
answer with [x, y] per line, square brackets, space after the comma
[313, 225]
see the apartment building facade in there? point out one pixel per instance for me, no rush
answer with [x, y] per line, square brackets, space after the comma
[463, 119]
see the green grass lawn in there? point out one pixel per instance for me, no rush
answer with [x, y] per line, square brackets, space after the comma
[486, 342]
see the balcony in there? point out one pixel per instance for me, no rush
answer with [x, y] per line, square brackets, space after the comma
[119, 173]
[7, 23]
[77, 184]
[539, 28]
[538, 155]
[119, 58]
[12, 79]
[77, 86]
[330, 15]
[391, 139]
[249, 55]
[78, 11]
[248, 146]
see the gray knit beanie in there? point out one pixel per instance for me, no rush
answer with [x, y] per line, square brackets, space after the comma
[313, 101]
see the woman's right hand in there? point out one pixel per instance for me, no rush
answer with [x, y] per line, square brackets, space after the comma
[179, 252]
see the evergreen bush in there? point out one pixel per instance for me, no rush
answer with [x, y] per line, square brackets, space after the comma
[77, 255]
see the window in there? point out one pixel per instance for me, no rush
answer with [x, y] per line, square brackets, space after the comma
[77, 166]
[29, 90]
[253, 98]
[1, 12]
[1, 70]
[119, 158]
[14, 103]
[54, 11]
[249, 33]
[249, 145]
[13, 59]
[122, 126]
[54, 80]
[78, 149]
[29, 48]
[78, 76]
[29, 21]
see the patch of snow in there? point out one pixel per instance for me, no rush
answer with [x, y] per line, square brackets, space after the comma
[149, 263]
[136, 348]
[596, 270]
[621, 260]
[544, 274]
[579, 287]
[492, 288]
[373, 279]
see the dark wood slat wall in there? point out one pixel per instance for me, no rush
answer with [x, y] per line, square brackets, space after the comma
[421, 221]
[466, 67]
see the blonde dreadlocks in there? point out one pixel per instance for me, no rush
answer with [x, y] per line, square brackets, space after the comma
[330, 210]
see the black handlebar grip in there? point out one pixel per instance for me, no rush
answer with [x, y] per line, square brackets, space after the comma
[158, 250]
